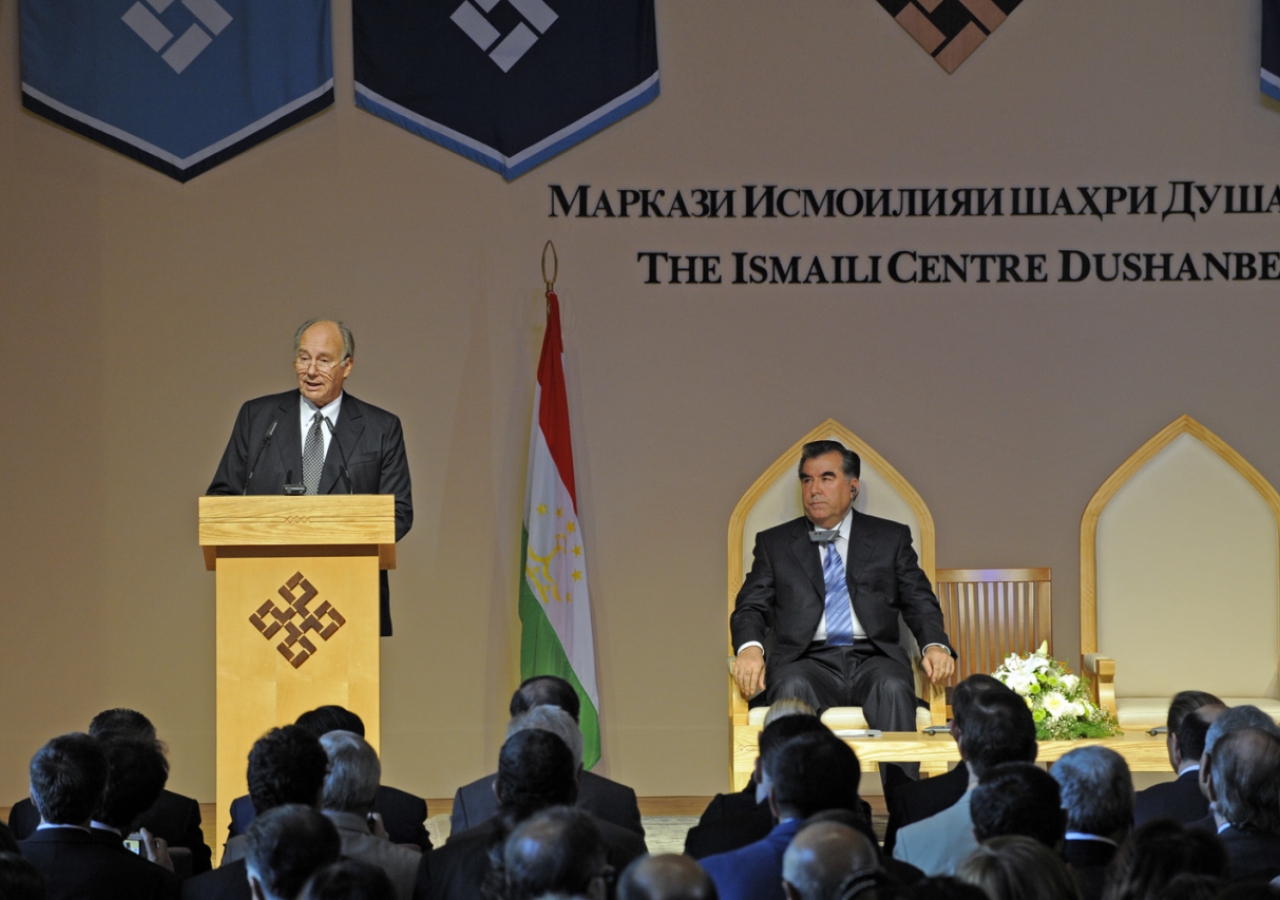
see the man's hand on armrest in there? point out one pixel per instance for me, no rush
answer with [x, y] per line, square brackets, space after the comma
[748, 671]
[937, 663]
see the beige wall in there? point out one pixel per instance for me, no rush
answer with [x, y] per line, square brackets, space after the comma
[141, 312]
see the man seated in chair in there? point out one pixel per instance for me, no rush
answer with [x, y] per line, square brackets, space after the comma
[828, 588]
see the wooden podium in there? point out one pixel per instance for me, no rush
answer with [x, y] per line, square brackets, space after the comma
[297, 616]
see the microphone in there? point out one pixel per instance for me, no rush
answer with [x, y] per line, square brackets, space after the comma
[346, 473]
[266, 439]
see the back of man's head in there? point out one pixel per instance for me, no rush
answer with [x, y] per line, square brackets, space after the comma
[820, 857]
[1185, 702]
[19, 879]
[1097, 791]
[556, 851]
[1193, 730]
[966, 690]
[665, 876]
[1235, 718]
[286, 765]
[349, 879]
[1244, 768]
[354, 773]
[122, 721]
[545, 690]
[535, 770]
[286, 845]
[136, 774]
[68, 777]
[555, 720]
[1018, 798]
[813, 772]
[998, 728]
[783, 729]
[324, 719]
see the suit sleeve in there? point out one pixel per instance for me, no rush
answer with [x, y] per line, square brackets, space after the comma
[233, 469]
[458, 818]
[916, 598]
[631, 816]
[394, 477]
[193, 839]
[753, 607]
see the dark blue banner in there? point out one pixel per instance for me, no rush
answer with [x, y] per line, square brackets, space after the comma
[180, 85]
[507, 83]
[1271, 48]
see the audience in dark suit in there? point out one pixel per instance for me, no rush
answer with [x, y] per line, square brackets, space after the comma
[136, 774]
[403, 815]
[475, 802]
[556, 852]
[807, 774]
[1018, 798]
[1159, 852]
[1190, 715]
[285, 846]
[349, 879]
[1241, 772]
[19, 880]
[1097, 793]
[68, 780]
[666, 876]
[821, 857]
[173, 817]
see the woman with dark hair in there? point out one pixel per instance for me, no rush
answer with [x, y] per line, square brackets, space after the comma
[1014, 867]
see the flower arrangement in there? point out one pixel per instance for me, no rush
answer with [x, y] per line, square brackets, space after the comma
[1059, 700]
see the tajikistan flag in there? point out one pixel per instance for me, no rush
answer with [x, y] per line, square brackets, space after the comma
[555, 606]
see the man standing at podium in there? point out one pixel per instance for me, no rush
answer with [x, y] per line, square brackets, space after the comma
[828, 588]
[319, 439]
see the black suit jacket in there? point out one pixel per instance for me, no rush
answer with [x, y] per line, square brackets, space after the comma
[1089, 860]
[173, 817]
[75, 866]
[229, 882]
[1251, 854]
[607, 800]
[403, 815]
[458, 869]
[371, 438]
[728, 824]
[1180, 800]
[783, 596]
[913, 801]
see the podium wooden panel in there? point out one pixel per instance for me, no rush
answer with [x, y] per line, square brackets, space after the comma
[297, 616]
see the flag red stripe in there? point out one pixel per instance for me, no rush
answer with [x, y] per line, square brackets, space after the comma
[553, 411]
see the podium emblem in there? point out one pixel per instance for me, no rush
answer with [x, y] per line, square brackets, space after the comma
[271, 619]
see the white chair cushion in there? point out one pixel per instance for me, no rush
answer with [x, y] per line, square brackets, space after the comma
[1151, 712]
[841, 717]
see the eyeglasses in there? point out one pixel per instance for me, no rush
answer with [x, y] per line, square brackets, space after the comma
[304, 362]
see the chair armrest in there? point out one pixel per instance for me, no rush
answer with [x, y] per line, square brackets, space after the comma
[934, 694]
[737, 703]
[1102, 669]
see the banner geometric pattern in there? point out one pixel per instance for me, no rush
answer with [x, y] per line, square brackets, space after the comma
[949, 30]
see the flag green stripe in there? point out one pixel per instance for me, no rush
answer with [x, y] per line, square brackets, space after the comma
[541, 653]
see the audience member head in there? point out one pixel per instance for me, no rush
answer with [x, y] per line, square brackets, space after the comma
[1015, 867]
[1242, 773]
[128, 722]
[1193, 887]
[821, 856]
[323, 719]
[545, 690]
[286, 765]
[810, 773]
[349, 879]
[19, 879]
[875, 884]
[787, 706]
[947, 887]
[665, 876]
[1234, 718]
[1097, 791]
[556, 851]
[136, 774]
[852, 818]
[1186, 746]
[554, 720]
[535, 771]
[774, 735]
[1156, 853]
[1185, 702]
[1019, 798]
[286, 845]
[68, 777]
[963, 695]
[354, 773]
[997, 728]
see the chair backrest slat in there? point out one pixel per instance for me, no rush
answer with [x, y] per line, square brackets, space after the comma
[991, 613]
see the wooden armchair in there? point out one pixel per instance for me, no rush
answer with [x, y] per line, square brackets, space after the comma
[775, 498]
[1180, 578]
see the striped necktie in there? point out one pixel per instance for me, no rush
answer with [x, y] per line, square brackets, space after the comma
[838, 608]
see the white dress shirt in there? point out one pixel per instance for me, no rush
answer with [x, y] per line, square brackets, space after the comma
[307, 411]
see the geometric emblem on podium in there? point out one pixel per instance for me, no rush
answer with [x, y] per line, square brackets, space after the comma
[950, 30]
[271, 619]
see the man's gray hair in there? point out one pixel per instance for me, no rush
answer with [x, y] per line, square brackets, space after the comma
[354, 773]
[1097, 790]
[1245, 770]
[1234, 719]
[555, 720]
[348, 339]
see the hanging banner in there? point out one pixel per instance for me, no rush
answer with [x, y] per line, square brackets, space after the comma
[506, 83]
[178, 85]
[1271, 49]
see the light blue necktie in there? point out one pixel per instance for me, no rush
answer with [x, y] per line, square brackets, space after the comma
[839, 610]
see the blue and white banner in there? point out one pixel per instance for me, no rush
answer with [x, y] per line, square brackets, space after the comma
[507, 83]
[1271, 48]
[180, 85]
